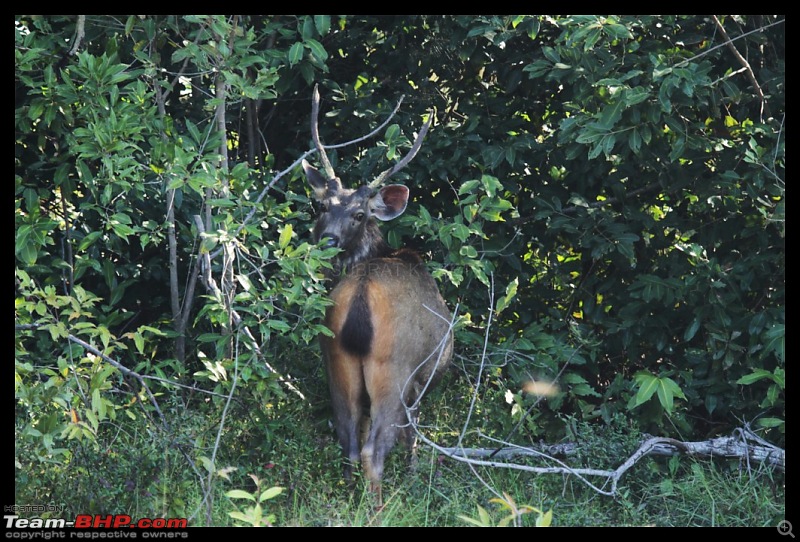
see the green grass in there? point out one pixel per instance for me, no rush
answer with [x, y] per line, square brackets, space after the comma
[134, 469]
[149, 481]
[698, 494]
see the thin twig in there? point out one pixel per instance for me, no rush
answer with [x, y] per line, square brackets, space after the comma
[483, 360]
[711, 49]
[212, 470]
[743, 61]
[236, 319]
[595, 204]
[124, 370]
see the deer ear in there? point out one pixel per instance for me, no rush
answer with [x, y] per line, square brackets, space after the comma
[318, 183]
[390, 202]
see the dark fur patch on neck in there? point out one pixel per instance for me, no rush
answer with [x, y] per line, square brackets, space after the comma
[407, 255]
[367, 246]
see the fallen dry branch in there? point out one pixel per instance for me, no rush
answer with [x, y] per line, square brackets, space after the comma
[743, 444]
[738, 446]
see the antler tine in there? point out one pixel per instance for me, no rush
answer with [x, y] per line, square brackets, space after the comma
[323, 157]
[383, 177]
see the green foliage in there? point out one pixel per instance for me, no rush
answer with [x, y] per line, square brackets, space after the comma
[102, 157]
[253, 516]
[65, 395]
[686, 261]
[664, 387]
[515, 512]
[603, 445]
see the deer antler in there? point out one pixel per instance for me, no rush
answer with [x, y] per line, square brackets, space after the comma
[323, 157]
[383, 177]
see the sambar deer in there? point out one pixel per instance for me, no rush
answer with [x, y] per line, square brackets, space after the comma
[392, 330]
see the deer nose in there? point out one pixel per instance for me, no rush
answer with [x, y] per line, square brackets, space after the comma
[330, 241]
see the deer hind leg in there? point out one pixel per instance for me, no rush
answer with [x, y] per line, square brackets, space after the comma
[347, 397]
[387, 420]
[380, 440]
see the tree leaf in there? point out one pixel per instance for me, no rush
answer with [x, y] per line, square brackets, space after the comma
[286, 236]
[240, 494]
[323, 24]
[295, 53]
[648, 385]
[317, 49]
[270, 493]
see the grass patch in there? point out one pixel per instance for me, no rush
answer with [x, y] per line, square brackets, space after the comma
[290, 443]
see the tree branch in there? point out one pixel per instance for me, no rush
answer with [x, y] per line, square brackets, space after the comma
[236, 319]
[743, 445]
[596, 204]
[743, 61]
[79, 34]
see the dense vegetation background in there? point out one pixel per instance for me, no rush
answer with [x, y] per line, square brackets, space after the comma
[601, 197]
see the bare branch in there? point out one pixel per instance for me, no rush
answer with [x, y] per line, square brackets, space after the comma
[236, 319]
[373, 132]
[711, 49]
[124, 370]
[79, 34]
[743, 445]
[746, 65]
[479, 377]
[212, 472]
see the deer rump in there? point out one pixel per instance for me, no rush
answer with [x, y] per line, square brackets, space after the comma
[392, 342]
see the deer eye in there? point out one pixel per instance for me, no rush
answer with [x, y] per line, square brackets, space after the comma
[359, 216]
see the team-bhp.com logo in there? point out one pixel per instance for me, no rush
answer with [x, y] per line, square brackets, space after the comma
[90, 521]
